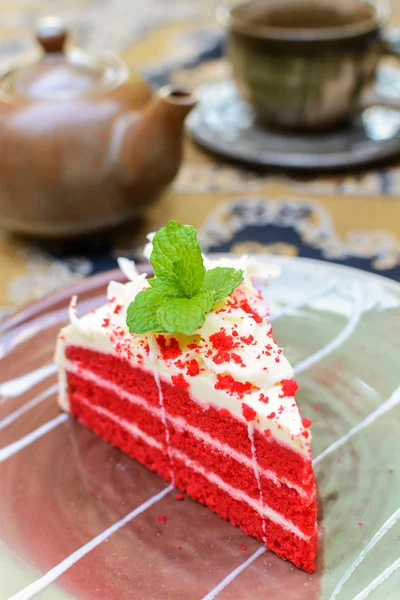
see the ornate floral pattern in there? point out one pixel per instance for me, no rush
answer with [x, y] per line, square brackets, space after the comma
[256, 224]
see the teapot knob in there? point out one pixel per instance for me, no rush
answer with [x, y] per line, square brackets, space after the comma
[51, 34]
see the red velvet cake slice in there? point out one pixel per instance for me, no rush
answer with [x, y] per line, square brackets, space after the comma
[182, 373]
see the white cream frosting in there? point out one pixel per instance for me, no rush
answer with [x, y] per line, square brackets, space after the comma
[257, 362]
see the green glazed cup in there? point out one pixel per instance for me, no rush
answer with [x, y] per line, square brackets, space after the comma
[307, 64]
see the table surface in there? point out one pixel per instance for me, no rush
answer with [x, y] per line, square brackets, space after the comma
[352, 219]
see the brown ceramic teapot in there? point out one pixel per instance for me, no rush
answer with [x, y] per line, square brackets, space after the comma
[83, 146]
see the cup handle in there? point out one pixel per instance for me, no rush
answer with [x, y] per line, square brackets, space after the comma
[373, 97]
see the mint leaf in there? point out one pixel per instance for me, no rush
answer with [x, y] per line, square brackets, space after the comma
[167, 285]
[176, 253]
[182, 292]
[142, 313]
[185, 315]
[221, 282]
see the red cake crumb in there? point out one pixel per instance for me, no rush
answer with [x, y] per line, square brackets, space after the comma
[192, 368]
[289, 388]
[247, 340]
[179, 548]
[277, 360]
[338, 460]
[106, 322]
[228, 383]
[360, 523]
[179, 497]
[267, 432]
[316, 407]
[271, 416]
[248, 412]
[223, 344]
[118, 309]
[171, 350]
[193, 346]
[243, 547]
[221, 341]
[237, 359]
[91, 493]
[306, 422]
[62, 337]
[263, 398]
[180, 382]
[244, 305]
[162, 519]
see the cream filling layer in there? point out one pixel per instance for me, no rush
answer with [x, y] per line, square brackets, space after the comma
[202, 390]
[264, 511]
[181, 424]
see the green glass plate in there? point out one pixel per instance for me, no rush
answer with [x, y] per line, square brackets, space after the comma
[79, 519]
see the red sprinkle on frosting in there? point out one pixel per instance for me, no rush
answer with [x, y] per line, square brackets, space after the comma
[192, 368]
[118, 309]
[289, 388]
[106, 322]
[306, 422]
[247, 340]
[244, 305]
[263, 398]
[171, 350]
[237, 359]
[221, 341]
[228, 383]
[248, 412]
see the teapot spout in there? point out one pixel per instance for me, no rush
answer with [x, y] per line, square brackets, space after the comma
[152, 142]
[177, 101]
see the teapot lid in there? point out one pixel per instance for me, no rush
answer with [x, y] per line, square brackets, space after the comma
[62, 74]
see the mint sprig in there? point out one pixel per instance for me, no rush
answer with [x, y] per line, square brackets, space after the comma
[182, 291]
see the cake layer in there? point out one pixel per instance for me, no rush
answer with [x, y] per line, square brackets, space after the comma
[219, 424]
[233, 467]
[205, 487]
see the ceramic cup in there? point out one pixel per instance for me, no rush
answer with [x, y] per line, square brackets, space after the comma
[307, 64]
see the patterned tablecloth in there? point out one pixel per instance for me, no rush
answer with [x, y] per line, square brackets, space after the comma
[352, 219]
